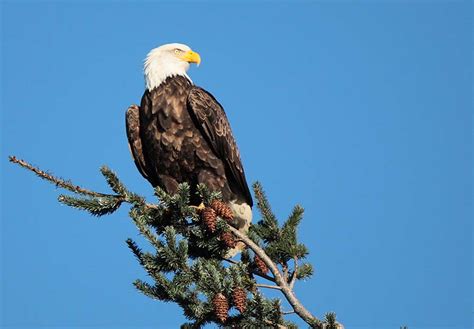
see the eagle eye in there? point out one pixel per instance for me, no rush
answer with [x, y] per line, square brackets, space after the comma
[177, 51]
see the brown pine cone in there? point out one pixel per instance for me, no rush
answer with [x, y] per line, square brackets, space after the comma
[262, 267]
[239, 298]
[228, 239]
[209, 219]
[222, 210]
[221, 307]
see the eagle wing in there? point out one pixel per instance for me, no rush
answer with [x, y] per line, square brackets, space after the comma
[132, 121]
[212, 121]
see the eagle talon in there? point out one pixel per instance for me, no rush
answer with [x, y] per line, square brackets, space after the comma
[200, 207]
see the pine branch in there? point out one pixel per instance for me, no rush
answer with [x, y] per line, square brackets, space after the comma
[55, 180]
[268, 226]
[97, 206]
[263, 203]
[138, 217]
[187, 264]
[136, 250]
[113, 181]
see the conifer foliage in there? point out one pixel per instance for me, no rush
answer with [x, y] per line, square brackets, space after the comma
[188, 264]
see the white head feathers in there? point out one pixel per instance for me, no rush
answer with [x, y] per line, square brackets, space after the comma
[166, 61]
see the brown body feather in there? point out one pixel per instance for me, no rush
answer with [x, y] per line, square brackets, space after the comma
[179, 134]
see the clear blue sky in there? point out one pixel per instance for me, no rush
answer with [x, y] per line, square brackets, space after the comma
[359, 112]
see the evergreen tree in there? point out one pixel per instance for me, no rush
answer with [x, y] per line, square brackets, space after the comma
[189, 265]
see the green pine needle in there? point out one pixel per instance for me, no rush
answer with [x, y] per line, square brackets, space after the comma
[330, 318]
[305, 271]
[113, 181]
[97, 206]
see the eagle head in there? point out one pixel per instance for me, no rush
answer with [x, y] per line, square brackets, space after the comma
[166, 61]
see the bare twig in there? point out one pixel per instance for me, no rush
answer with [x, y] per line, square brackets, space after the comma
[280, 281]
[284, 266]
[68, 185]
[58, 181]
[269, 286]
[293, 275]
[287, 312]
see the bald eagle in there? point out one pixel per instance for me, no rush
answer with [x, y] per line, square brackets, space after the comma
[180, 133]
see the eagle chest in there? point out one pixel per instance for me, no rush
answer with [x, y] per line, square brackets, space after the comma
[175, 138]
[177, 144]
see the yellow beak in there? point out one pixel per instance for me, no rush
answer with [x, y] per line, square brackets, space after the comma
[191, 57]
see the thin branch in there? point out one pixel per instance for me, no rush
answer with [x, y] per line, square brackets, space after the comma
[260, 274]
[293, 275]
[68, 185]
[230, 260]
[265, 276]
[284, 266]
[58, 181]
[269, 286]
[287, 312]
[280, 281]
